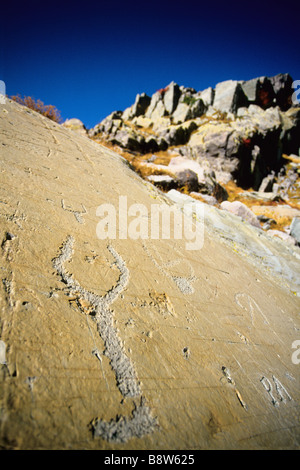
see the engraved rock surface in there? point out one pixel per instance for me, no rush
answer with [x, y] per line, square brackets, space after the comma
[129, 343]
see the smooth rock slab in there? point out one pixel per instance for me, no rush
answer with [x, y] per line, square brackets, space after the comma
[127, 343]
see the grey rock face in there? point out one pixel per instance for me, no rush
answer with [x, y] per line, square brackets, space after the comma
[229, 96]
[266, 92]
[171, 97]
[187, 178]
[141, 104]
[178, 135]
[250, 89]
[282, 86]
[241, 128]
[267, 184]
[181, 113]
[185, 112]
[207, 96]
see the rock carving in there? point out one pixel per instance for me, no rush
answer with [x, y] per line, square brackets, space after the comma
[141, 422]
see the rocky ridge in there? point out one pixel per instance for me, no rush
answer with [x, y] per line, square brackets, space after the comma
[237, 141]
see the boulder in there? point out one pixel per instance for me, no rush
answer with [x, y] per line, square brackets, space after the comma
[216, 142]
[181, 164]
[75, 125]
[140, 106]
[283, 90]
[181, 113]
[128, 140]
[266, 221]
[250, 89]
[178, 135]
[229, 96]
[142, 121]
[241, 210]
[197, 109]
[260, 151]
[156, 98]
[259, 91]
[219, 192]
[286, 181]
[159, 111]
[185, 111]
[171, 97]
[164, 182]
[151, 145]
[281, 236]
[267, 184]
[187, 179]
[206, 180]
[207, 96]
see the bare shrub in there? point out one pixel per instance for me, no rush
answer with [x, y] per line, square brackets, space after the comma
[49, 110]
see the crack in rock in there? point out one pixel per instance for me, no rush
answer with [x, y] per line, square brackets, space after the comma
[77, 214]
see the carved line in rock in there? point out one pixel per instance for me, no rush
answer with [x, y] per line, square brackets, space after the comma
[251, 304]
[141, 422]
[77, 214]
[230, 380]
[184, 284]
[279, 388]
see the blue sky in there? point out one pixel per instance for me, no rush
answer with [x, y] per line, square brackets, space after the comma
[91, 58]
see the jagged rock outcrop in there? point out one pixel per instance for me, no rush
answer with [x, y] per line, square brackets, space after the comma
[229, 96]
[241, 128]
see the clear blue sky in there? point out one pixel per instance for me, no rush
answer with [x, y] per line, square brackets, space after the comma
[91, 58]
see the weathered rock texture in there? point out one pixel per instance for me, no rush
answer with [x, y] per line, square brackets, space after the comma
[134, 344]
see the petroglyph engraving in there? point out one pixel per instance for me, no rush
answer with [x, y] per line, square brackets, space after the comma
[122, 429]
[279, 389]
[76, 213]
[248, 304]
[7, 251]
[141, 422]
[184, 284]
[9, 289]
[231, 381]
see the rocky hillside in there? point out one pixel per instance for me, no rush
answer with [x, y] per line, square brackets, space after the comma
[238, 141]
[132, 342]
